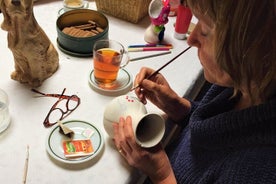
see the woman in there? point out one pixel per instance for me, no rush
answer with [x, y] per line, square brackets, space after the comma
[231, 133]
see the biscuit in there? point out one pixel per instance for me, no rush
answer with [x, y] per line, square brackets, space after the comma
[84, 30]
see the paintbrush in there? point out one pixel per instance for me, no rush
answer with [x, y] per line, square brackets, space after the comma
[26, 165]
[157, 71]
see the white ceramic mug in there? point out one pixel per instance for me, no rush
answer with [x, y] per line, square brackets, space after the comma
[148, 128]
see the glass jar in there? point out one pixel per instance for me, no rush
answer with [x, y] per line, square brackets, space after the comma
[4, 111]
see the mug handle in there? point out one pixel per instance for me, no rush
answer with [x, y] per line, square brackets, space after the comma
[125, 59]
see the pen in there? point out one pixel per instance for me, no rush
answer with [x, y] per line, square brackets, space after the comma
[150, 45]
[149, 56]
[157, 71]
[148, 49]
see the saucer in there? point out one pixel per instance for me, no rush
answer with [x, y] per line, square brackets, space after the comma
[55, 138]
[121, 86]
[64, 9]
[73, 53]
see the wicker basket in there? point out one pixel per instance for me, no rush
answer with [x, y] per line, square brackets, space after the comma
[130, 10]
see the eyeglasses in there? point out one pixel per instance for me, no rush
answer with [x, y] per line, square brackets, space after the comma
[56, 113]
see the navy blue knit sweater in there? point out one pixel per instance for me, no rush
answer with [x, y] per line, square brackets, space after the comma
[222, 145]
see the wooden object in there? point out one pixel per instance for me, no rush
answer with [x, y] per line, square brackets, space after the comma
[129, 10]
[35, 57]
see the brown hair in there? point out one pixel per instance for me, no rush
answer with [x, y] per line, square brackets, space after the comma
[245, 42]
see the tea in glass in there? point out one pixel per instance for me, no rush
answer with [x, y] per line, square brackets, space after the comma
[108, 57]
[106, 65]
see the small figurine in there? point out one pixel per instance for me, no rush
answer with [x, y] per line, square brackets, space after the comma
[158, 11]
[35, 57]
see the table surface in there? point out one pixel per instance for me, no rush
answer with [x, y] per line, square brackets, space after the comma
[27, 112]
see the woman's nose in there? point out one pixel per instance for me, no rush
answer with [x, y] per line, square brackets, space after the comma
[193, 37]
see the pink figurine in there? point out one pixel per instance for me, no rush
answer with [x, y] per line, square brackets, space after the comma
[158, 11]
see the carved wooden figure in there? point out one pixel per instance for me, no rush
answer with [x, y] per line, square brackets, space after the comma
[35, 57]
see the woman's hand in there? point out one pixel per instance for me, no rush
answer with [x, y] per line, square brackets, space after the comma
[148, 88]
[158, 91]
[151, 161]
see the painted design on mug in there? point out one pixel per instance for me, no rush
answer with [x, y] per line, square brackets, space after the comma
[130, 99]
[122, 105]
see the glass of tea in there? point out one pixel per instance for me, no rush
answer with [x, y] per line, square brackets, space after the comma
[108, 57]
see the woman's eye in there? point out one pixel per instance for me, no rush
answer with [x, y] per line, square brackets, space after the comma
[203, 30]
[203, 33]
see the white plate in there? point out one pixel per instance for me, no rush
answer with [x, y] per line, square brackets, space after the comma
[55, 138]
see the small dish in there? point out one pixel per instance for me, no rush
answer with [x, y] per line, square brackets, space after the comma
[64, 9]
[55, 138]
[121, 86]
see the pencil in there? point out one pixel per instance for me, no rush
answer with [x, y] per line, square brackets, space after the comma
[157, 71]
[149, 56]
[140, 49]
[150, 45]
[26, 166]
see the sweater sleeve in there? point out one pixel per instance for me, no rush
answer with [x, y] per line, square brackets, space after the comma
[194, 105]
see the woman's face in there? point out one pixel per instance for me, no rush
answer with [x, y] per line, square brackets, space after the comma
[203, 37]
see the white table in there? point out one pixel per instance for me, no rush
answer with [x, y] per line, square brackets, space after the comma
[28, 113]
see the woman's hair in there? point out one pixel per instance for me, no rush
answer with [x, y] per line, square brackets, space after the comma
[245, 41]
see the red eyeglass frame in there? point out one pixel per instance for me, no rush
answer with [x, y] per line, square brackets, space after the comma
[60, 97]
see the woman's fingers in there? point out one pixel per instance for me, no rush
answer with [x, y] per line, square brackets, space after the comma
[124, 137]
[140, 94]
[129, 134]
[116, 138]
[125, 147]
